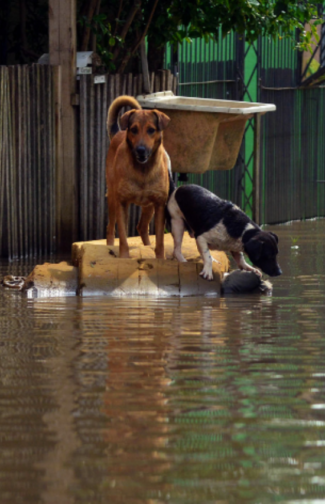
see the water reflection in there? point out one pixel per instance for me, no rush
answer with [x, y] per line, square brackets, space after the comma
[175, 400]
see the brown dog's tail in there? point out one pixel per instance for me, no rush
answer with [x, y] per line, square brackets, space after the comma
[113, 111]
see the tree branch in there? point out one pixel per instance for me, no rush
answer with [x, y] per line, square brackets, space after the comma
[92, 4]
[118, 16]
[134, 9]
[147, 26]
[126, 58]
[93, 36]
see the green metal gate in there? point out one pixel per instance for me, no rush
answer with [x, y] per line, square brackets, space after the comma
[290, 177]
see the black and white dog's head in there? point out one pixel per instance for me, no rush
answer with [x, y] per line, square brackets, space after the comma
[262, 249]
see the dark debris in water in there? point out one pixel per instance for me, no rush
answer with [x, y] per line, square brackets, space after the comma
[245, 282]
[13, 282]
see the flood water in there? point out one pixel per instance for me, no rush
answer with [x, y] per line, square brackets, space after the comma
[193, 400]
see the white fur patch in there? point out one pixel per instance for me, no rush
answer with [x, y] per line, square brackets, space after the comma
[247, 227]
[219, 239]
[173, 208]
[177, 224]
[169, 163]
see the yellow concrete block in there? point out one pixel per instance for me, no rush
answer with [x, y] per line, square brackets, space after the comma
[98, 270]
[188, 282]
[208, 287]
[168, 278]
[53, 280]
[148, 277]
[127, 278]
[102, 272]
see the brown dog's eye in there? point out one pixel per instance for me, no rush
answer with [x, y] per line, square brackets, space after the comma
[151, 131]
[134, 130]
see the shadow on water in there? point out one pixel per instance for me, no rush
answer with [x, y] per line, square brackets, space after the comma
[187, 400]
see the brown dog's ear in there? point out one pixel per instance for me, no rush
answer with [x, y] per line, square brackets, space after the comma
[163, 119]
[124, 120]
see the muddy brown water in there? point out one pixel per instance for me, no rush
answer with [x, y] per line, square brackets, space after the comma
[187, 400]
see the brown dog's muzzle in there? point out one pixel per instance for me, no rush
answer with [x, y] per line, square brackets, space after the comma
[142, 153]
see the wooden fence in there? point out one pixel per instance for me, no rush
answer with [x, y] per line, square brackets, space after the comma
[27, 161]
[29, 194]
[95, 99]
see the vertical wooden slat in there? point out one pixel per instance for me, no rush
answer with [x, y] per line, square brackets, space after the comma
[44, 157]
[12, 174]
[7, 168]
[33, 83]
[98, 171]
[169, 80]
[18, 112]
[39, 174]
[157, 82]
[24, 147]
[102, 161]
[123, 84]
[51, 122]
[140, 85]
[90, 188]
[2, 154]
[135, 85]
[29, 163]
[174, 85]
[117, 85]
[152, 81]
[129, 84]
[110, 89]
[84, 107]
[257, 170]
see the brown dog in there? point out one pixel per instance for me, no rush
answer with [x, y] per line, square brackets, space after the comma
[137, 171]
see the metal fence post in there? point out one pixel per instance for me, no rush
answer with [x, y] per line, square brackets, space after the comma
[257, 170]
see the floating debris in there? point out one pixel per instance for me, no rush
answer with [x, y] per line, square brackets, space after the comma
[245, 282]
[14, 282]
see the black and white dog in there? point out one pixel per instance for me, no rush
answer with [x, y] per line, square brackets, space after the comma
[218, 224]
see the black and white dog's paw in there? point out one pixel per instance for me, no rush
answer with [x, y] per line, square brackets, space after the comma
[247, 267]
[206, 273]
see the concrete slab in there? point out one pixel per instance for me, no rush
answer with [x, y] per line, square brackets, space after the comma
[101, 272]
[53, 280]
[168, 278]
[148, 277]
[98, 271]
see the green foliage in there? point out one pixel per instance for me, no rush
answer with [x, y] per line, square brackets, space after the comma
[117, 34]
[203, 18]
[177, 21]
[105, 38]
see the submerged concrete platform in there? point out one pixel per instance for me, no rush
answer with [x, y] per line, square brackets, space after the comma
[97, 270]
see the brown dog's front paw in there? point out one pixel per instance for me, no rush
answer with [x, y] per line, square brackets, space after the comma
[160, 255]
[124, 255]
